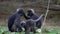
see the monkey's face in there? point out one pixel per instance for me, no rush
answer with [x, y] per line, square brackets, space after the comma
[29, 13]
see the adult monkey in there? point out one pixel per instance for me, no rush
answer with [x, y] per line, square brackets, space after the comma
[31, 15]
[30, 25]
[15, 18]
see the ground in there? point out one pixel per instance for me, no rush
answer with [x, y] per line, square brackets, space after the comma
[5, 28]
[51, 30]
[46, 30]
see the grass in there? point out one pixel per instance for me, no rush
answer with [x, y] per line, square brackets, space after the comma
[5, 28]
[45, 30]
[51, 30]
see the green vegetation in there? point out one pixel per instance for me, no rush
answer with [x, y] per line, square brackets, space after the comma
[51, 30]
[5, 28]
[44, 31]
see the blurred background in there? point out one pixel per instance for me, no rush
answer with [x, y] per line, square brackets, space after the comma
[8, 7]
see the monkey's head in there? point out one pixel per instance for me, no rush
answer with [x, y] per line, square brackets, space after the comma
[20, 11]
[30, 12]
